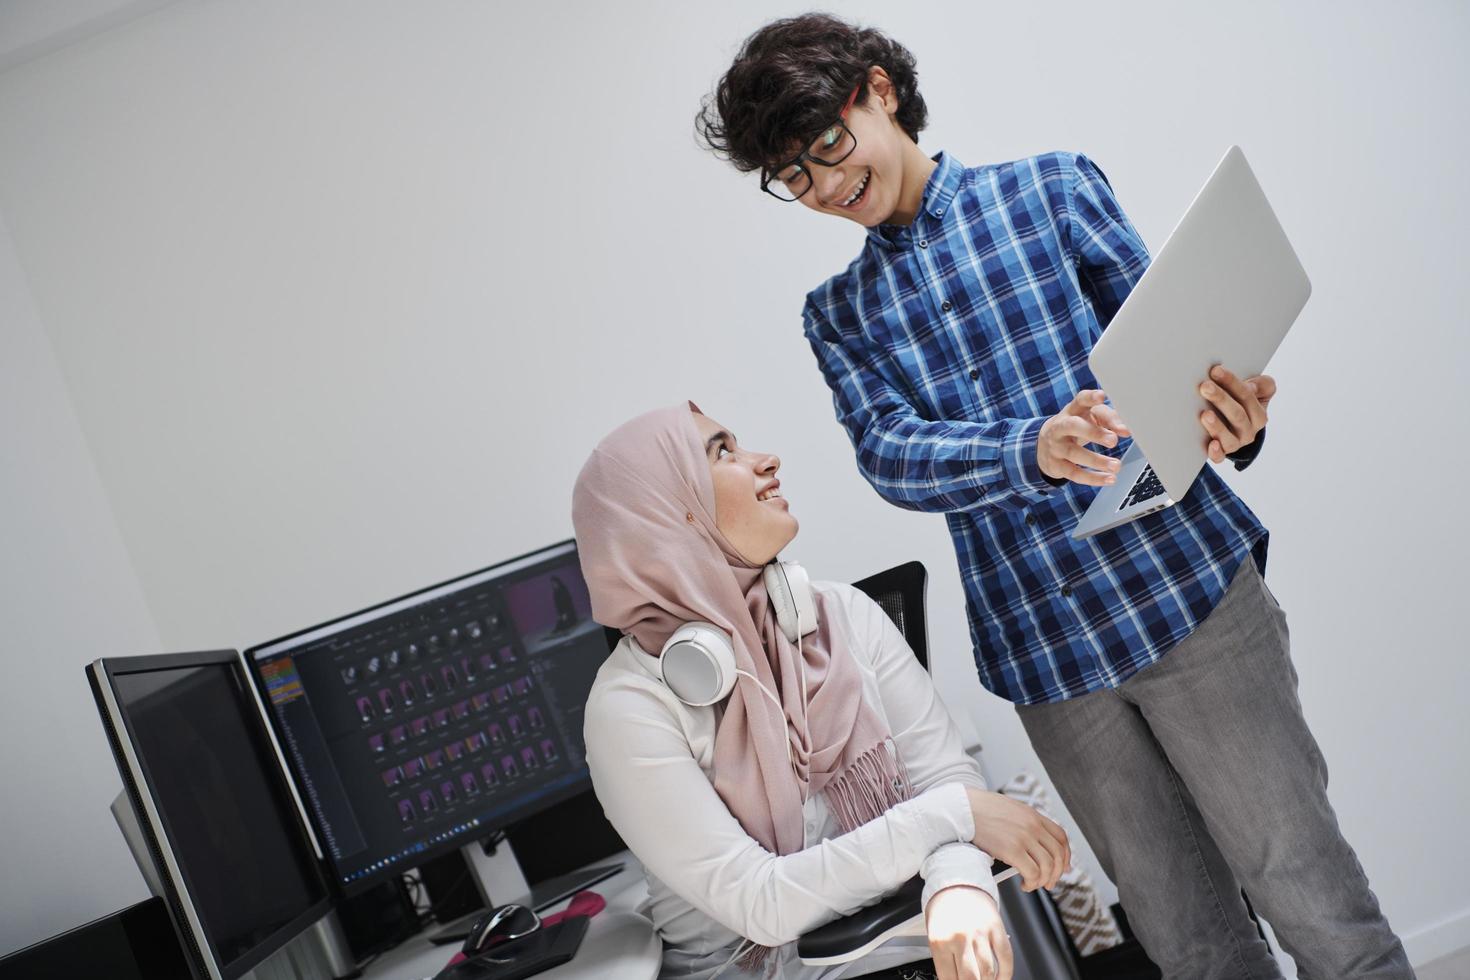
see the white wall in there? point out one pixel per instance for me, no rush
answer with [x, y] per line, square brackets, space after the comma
[31, 29]
[68, 595]
[342, 293]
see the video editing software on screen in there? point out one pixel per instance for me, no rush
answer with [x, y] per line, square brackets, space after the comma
[441, 716]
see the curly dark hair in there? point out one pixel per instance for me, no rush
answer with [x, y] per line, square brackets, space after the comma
[791, 78]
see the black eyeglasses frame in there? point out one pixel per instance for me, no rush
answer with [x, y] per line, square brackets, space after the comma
[768, 177]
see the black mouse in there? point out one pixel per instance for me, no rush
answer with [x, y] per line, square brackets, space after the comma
[501, 924]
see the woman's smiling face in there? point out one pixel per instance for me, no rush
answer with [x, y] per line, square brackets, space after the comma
[749, 509]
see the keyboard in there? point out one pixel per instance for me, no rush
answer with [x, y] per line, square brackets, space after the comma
[1146, 487]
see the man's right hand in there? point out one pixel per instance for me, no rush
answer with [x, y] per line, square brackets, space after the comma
[1061, 448]
[1021, 836]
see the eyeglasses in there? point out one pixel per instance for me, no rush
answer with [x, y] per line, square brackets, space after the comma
[832, 145]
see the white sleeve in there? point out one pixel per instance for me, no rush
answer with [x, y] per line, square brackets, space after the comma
[928, 740]
[666, 810]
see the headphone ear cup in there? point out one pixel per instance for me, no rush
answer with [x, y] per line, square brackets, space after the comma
[790, 592]
[698, 664]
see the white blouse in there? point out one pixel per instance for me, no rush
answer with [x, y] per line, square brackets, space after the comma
[710, 883]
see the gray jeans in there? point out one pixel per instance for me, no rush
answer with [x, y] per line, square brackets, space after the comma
[1198, 776]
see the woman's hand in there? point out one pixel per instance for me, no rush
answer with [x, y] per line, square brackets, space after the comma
[1021, 836]
[966, 936]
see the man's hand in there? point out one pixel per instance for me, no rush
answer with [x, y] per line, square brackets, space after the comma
[1021, 836]
[1061, 448]
[966, 935]
[1239, 412]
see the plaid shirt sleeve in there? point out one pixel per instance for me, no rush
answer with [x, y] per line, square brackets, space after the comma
[1111, 258]
[1246, 455]
[913, 462]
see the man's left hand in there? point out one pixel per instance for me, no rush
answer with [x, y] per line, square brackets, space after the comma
[1239, 410]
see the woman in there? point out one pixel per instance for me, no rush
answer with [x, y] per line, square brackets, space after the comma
[829, 775]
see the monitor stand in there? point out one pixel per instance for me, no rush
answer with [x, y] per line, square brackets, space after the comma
[499, 874]
[495, 870]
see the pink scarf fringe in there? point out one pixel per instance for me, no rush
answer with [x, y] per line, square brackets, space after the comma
[876, 781]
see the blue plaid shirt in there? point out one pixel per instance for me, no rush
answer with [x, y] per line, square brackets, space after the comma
[947, 344]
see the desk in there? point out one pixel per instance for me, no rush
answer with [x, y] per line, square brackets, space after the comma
[619, 942]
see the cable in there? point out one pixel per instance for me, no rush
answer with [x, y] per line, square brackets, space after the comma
[740, 948]
[430, 912]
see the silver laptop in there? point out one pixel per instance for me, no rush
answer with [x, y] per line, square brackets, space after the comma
[1224, 289]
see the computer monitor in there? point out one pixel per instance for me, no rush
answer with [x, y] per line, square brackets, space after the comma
[229, 850]
[424, 723]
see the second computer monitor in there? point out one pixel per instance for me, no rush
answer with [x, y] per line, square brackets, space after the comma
[220, 832]
[429, 721]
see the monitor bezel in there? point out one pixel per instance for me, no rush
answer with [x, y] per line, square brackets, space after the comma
[251, 658]
[138, 782]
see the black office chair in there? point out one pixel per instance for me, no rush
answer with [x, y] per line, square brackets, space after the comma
[1040, 942]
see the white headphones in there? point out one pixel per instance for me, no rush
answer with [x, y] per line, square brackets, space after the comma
[698, 661]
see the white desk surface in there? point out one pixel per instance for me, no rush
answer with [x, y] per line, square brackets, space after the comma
[619, 943]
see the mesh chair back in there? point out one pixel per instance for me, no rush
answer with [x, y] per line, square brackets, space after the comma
[899, 592]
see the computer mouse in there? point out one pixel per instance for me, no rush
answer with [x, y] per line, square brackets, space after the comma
[498, 925]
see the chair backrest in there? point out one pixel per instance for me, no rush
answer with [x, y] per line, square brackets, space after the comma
[899, 591]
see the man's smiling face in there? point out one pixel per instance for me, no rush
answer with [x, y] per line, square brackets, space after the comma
[867, 186]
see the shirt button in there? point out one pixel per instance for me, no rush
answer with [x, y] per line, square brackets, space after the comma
[938, 212]
[974, 375]
[1031, 519]
[1066, 591]
[923, 243]
[946, 306]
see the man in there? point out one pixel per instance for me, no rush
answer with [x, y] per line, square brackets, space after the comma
[1149, 664]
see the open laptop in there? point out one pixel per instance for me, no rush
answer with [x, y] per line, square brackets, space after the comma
[1224, 289]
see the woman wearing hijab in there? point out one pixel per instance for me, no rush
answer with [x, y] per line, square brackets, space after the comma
[829, 775]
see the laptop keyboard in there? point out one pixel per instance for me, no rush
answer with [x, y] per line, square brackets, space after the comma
[1146, 487]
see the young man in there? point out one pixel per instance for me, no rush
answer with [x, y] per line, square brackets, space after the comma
[1149, 664]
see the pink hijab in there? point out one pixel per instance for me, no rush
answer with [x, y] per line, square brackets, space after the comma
[644, 512]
